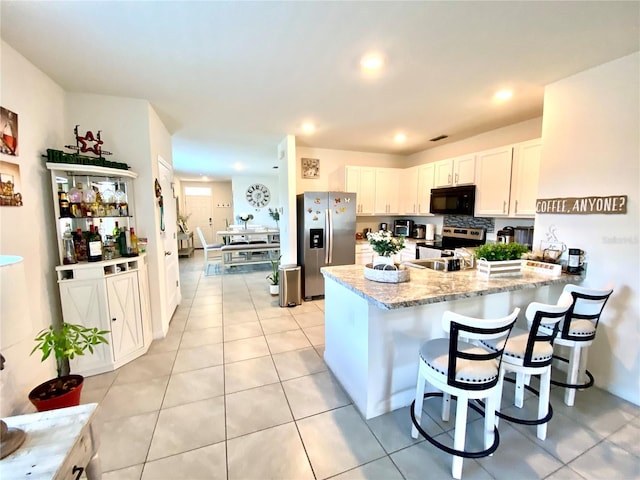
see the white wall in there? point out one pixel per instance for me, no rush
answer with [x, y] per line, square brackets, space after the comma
[591, 146]
[29, 231]
[241, 205]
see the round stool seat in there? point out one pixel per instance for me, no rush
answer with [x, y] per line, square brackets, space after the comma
[514, 351]
[435, 353]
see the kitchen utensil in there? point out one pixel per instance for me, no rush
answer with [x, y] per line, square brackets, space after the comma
[575, 260]
[505, 235]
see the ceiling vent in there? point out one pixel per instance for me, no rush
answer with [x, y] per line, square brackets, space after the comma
[439, 137]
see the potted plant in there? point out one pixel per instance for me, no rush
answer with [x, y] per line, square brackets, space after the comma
[274, 277]
[64, 343]
[275, 215]
[500, 258]
[385, 245]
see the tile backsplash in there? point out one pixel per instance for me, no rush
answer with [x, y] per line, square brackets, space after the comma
[467, 221]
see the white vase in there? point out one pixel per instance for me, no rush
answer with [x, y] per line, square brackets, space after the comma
[274, 290]
[383, 261]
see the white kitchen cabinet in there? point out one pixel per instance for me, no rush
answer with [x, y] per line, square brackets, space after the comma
[415, 190]
[525, 171]
[507, 180]
[493, 182]
[455, 171]
[362, 181]
[111, 294]
[364, 253]
[387, 196]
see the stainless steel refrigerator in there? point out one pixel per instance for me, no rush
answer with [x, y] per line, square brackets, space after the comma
[326, 235]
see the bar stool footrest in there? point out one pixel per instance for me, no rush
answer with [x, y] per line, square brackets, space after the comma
[576, 386]
[523, 421]
[449, 450]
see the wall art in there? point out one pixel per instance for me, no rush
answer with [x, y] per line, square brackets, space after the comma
[310, 167]
[9, 129]
[10, 186]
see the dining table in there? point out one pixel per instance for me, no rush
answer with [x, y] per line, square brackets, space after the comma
[232, 236]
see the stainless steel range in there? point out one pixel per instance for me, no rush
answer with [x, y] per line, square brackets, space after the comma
[452, 238]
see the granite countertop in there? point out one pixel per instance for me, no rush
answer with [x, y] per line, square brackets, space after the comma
[429, 286]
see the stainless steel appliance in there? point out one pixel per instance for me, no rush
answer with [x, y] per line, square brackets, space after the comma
[524, 236]
[452, 238]
[402, 228]
[384, 226]
[505, 235]
[419, 231]
[453, 200]
[326, 235]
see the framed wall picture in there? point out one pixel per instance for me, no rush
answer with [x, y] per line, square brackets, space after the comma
[9, 131]
[310, 167]
[10, 186]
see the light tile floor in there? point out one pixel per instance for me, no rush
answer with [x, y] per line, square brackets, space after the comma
[238, 390]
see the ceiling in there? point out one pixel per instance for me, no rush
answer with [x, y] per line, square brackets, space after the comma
[231, 79]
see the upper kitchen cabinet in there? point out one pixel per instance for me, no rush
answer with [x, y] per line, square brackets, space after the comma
[455, 171]
[362, 180]
[416, 189]
[525, 170]
[493, 182]
[387, 197]
[507, 180]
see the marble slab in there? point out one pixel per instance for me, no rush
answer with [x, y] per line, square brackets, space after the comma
[429, 286]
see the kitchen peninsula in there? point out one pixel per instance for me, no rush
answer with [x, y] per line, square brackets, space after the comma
[373, 331]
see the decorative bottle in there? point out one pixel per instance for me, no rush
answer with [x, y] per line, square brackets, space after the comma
[95, 246]
[69, 247]
[134, 242]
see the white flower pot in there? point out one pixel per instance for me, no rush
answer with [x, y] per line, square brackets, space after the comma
[274, 290]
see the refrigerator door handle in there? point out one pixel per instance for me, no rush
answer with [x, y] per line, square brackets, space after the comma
[328, 251]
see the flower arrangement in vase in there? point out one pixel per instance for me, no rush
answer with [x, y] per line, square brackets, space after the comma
[245, 217]
[385, 245]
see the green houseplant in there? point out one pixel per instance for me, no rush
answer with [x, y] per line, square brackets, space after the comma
[501, 251]
[65, 343]
[274, 277]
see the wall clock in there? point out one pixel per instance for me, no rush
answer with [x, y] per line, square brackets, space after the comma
[258, 195]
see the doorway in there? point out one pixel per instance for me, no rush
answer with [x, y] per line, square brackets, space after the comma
[169, 237]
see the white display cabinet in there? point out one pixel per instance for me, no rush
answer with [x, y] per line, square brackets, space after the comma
[111, 294]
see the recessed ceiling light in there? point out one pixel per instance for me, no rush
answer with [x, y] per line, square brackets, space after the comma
[372, 62]
[503, 95]
[238, 166]
[308, 127]
[400, 138]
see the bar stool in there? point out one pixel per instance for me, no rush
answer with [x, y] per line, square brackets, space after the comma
[577, 332]
[531, 353]
[457, 367]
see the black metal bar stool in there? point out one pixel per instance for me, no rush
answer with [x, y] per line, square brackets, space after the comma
[578, 332]
[468, 371]
[531, 353]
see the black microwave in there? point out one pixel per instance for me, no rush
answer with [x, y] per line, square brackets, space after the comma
[453, 200]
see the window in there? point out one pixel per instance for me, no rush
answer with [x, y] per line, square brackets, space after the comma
[197, 191]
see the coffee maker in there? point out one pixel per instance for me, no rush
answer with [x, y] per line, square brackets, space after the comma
[384, 226]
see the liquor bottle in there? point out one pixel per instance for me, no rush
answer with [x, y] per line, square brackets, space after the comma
[122, 243]
[116, 231]
[134, 242]
[80, 242]
[95, 246]
[65, 209]
[69, 248]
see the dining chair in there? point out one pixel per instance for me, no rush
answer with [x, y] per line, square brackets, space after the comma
[212, 252]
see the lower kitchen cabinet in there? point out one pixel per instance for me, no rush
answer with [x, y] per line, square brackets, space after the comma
[109, 295]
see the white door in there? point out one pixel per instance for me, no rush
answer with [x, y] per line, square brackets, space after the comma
[200, 207]
[169, 238]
